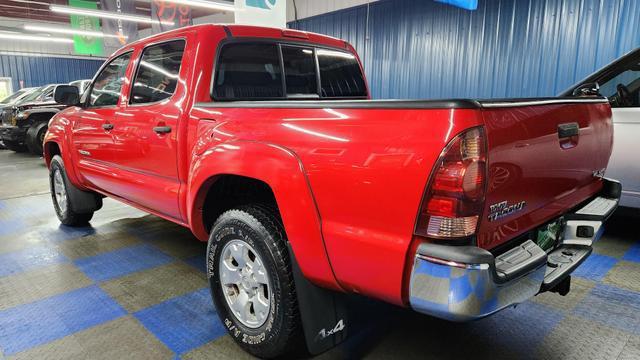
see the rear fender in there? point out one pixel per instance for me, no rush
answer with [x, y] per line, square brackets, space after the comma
[281, 169]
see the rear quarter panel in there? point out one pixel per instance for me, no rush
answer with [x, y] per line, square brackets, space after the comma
[367, 169]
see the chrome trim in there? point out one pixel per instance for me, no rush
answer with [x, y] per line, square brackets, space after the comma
[453, 263]
[467, 290]
[542, 102]
[463, 294]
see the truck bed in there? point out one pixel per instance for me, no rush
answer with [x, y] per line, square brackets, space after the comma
[368, 162]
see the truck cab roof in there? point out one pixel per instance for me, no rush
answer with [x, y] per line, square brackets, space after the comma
[246, 31]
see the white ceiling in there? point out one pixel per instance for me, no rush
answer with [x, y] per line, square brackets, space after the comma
[308, 8]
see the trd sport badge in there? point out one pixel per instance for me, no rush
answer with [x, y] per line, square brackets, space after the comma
[263, 4]
[503, 209]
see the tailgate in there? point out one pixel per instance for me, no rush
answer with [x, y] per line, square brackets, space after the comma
[545, 157]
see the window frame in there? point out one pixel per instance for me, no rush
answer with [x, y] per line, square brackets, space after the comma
[315, 66]
[616, 70]
[138, 60]
[87, 94]
[279, 43]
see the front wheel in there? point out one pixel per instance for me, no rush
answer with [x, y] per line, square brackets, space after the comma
[252, 282]
[35, 138]
[63, 202]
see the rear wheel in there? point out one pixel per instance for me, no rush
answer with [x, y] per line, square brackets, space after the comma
[63, 203]
[35, 138]
[252, 283]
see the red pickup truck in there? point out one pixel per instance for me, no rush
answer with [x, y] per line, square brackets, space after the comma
[265, 144]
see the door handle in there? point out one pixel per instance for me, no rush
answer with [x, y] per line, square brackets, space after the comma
[568, 130]
[107, 126]
[162, 129]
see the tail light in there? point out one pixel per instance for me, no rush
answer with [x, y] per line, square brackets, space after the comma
[454, 198]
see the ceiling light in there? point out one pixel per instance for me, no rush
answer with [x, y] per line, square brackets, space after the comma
[58, 30]
[205, 4]
[106, 15]
[26, 37]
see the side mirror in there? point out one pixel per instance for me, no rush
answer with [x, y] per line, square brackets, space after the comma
[66, 95]
[588, 89]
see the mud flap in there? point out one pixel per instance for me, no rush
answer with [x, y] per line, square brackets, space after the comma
[325, 313]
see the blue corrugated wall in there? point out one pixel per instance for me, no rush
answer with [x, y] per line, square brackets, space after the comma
[506, 48]
[41, 70]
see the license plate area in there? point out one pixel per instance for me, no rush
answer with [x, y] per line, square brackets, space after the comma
[549, 235]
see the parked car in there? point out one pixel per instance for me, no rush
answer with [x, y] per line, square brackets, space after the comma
[25, 122]
[263, 142]
[620, 83]
[12, 99]
[16, 96]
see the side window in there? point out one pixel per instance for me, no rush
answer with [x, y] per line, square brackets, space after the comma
[299, 71]
[107, 87]
[340, 74]
[158, 71]
[622, 88]
[248, 71]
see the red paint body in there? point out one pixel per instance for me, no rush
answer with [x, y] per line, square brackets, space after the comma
[348, 182]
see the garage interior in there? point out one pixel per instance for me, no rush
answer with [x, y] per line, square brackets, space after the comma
[132, 285]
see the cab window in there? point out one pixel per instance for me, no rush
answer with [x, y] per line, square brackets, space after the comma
[262, 71]
[300, 71]
[340, 74]
[107, 86]
[248, 71]
[622, 87]
[158, 70]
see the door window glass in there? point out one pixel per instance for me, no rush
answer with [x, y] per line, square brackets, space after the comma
[299, 71]
[623, 87]
[107, 87]
[248, 71]
[158, 72]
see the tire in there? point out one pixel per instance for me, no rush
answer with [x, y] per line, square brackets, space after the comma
[14, 146]
[275, 331]
[35, 137]
[63, 201]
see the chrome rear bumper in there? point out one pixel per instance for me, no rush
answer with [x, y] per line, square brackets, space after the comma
[461, 283]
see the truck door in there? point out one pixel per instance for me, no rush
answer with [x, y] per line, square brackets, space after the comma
[622, 87]
[94, 122]
[146, 134]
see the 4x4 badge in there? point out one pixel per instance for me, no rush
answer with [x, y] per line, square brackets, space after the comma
[503, 209]
[599, 173]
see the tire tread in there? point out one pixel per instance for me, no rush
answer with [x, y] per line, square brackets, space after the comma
[266, 216]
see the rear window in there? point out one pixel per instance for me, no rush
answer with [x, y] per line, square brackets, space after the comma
[249, 71]
[300, 71]
[262, 71]
[340, 74]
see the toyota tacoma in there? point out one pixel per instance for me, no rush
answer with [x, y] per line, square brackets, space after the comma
[264, 143]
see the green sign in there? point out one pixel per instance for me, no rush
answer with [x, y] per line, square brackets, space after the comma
[86, 45]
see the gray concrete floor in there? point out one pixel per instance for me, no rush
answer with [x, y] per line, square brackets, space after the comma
[146, 274]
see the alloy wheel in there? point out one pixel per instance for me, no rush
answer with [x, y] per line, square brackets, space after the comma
[245, 283]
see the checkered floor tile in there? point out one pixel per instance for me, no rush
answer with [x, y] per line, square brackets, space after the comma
[133, 286]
